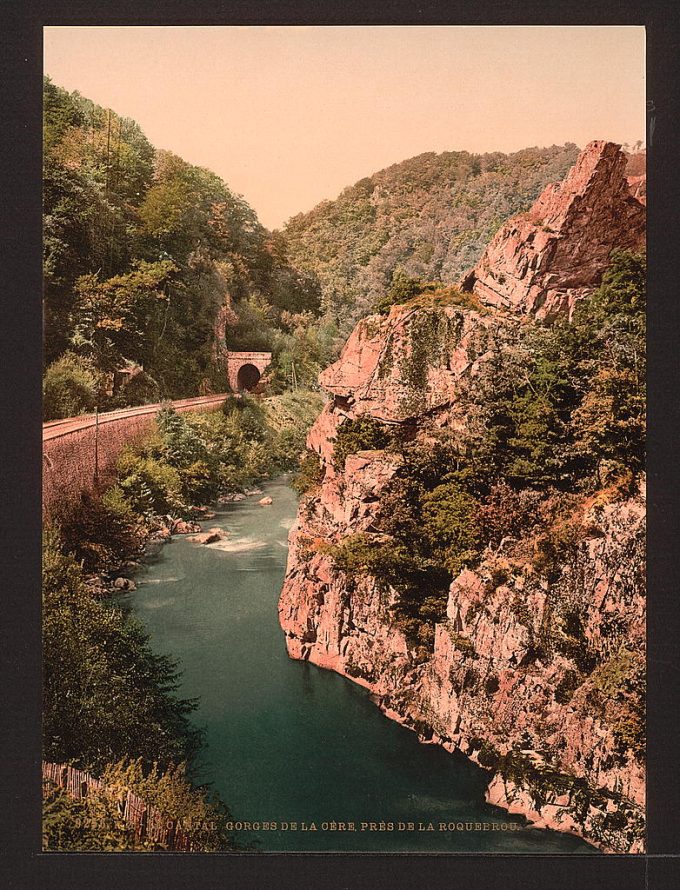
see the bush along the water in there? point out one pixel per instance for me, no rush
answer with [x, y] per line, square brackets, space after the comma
[192, 459]
[186, 462]
[106, 694]
[110, 704]
[109, 699]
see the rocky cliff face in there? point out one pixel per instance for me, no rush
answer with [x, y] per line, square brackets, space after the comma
[541, 262]
[520, 670]
[480, 691]
[412, 362]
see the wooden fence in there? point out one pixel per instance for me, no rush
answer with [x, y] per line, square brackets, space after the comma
[148, 823]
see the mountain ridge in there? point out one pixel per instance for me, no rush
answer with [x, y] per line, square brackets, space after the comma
[470, 544]
[430, 216]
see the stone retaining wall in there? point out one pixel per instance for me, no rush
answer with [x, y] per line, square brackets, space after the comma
[79, 454]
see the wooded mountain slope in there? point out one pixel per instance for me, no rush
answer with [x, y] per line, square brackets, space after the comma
[431, 216]
[152, 261]
[145, 259]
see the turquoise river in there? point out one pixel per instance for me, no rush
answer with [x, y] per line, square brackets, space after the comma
[287, 742]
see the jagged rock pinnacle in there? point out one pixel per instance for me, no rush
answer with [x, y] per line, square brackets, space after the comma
[542, 261]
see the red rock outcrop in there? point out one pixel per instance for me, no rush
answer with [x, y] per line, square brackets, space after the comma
[483, 687]
[412, 361]
[636, 175]
[542, 261]
[480, 689]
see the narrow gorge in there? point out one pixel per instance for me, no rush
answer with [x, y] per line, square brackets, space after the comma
[522, 645]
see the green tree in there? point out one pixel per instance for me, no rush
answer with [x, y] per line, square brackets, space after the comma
[115, 318]
[450, 526]
[364, 433]
[119, 217]
[71, 386]
[571, 395]
[106, 695]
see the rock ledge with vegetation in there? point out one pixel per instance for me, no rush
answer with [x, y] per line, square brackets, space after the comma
[470, 541]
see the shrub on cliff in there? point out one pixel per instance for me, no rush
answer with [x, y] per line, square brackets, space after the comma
[609, 424]
[402, 289]
[432, 519]
[450, 526]
[363, 434]
[309, 475]
[569, 399]
[420, 583]
[415, 293]
[363, 554]
[71, 386]
[616, 693]
[525, 398]
[555, 543]
[566, 687]
[606, 354]
[507, 512]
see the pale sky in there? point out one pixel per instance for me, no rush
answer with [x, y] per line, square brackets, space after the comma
[288, 116]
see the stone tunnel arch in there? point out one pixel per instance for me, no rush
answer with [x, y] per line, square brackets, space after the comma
[246, 370]
[247, 377]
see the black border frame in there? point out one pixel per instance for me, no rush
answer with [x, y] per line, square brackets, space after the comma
[22, 865]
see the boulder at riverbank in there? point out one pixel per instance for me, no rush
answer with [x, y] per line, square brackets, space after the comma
[209, 537]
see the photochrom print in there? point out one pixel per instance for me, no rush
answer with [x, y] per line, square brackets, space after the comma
[344, 439]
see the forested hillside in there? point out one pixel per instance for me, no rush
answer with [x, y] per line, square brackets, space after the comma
[430, 216]
[148, 259]
[154, 262]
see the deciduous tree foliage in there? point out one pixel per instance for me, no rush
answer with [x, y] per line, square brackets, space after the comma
[142, 251]
[106, 695]
[95, 823]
